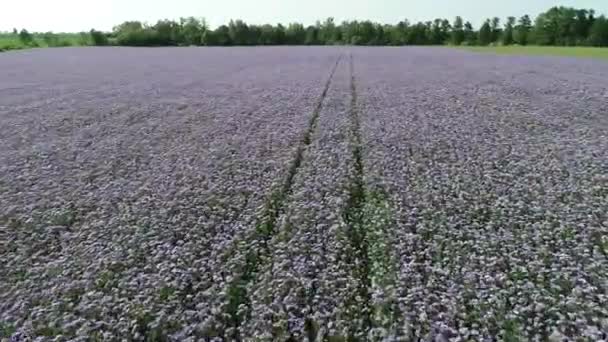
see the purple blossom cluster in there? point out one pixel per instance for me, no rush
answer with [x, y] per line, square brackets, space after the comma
[319, 194]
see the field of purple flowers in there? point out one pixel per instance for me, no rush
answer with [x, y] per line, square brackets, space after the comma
[302, 194]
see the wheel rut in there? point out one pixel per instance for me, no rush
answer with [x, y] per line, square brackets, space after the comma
[257, 247]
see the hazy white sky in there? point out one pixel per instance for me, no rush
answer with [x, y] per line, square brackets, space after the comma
[80, 15]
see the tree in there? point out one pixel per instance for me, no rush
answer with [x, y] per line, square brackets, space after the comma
[545, 28]
[239, 32]
[327, 31]
[222, 36]
[485, 33]
[598, 35]
[507, 37]
[295, 34]
[367, 32]
[399, 33]
[50, 39]
[166, 33]
[556, 26]
[418, 34]
[25, 37]
[522, 30]
[562, 26]
[192, 30]
[15, 31]
[210, 38]
[134, 33]
[437, 35]
[458, 35]
[312, 34]
[469, 34]
[495, 30]
[266, 35]
[280, 36]
[441, 32]
[98, 38]
[582, 26]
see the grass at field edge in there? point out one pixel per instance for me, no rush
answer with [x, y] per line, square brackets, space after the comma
[581, 52]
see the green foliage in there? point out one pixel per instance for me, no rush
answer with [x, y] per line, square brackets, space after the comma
[134, 33]
[51, 39]
[507, 37]
[239, 33]
[6, 330]
[563, 26]
[582, 52]
[469, 34]
[98, 38]
[192, 30]
[598, 35]
[495, 30]
[26, 38]
[13, 41]
[485, 33]
[221, 37]
[560, 26]
[10, 42]
[522, 30]
[458, 34]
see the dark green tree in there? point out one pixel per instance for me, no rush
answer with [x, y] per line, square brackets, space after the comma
[280, 37]
[522, 30]
[401, 32]
[437, 36]
[192, 30]
[485, 33]
[458, 35]
[507, 36]
[222, 36]
[418, 34]
[327, 31]
[582, 26]
[239, 32]
[598, 35]
[469, 34]
[563, 26]
[495, 30]
[254, 36]
[312, 36]
[26, 38]
[266, 35]
[366, 32]
[295, 34]
[166, 33]
[556, 26]
[98, 38]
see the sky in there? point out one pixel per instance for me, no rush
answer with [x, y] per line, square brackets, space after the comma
[82, 15]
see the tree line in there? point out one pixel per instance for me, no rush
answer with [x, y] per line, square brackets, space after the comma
[559, 26]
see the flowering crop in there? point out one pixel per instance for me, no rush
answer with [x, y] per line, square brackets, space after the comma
[496, 171]
[302, 194]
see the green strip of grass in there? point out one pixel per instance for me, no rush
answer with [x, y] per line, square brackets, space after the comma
[10, 41]
[583, 52]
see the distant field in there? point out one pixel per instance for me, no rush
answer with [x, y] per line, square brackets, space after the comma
[585, 52]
